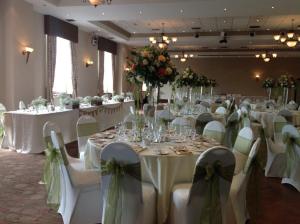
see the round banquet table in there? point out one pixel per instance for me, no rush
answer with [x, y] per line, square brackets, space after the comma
[162, 164]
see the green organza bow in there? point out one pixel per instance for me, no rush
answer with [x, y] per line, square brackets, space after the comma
[291, 155]
[211, 212]
[51, 176]
[113, 206]
[231, 132]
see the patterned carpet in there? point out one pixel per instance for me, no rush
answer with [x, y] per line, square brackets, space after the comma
[23, 199]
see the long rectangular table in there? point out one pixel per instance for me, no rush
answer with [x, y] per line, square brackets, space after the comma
[24, 129]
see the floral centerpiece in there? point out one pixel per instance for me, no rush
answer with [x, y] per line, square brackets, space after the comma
[188, 78]
[285, 82]
[152, 66]
[39, 102]
[118, 98]
[268, 84]
[96, 101]
[75, 103]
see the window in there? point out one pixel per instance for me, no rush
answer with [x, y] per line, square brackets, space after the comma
[63, 68]
[108, 85]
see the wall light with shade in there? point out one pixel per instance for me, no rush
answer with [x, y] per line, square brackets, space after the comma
[257, 77]
[89, 63]
[27, 51]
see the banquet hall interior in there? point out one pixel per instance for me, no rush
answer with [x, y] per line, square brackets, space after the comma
[149, 111]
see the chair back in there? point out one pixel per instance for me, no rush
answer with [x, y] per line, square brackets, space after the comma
[180, 123]
[47, 128]
[58, 144]
[244, 141]
[205, 104]
[252, 155]
[202, 120]
[211, 185]
[221, 110]
[286, 114]
[86, 126]
[164, 115]
[215, 130]
[278, 123]
[123, 191]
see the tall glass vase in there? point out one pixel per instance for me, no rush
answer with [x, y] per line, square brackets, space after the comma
[201, 92]
[211, 91]
[269, 92]
[285, 96]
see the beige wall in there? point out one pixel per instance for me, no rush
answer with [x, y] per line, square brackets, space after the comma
[21, 26]
[120, 83]
[236, 75]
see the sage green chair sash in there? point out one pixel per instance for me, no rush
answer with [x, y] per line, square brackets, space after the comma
[242, 145]
[1, 124]
[291, 154]
[113, 207]
[278, 126]
[51, 176]
[211, 212]
[218, 136]
[231, 132]
[87, 129]
[47, 139]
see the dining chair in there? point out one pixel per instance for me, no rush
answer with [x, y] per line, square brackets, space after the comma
[278, 123]
[79, 189]
[238, 191]
[205, 104]
[126, 198]
[86, 126]
[221, 110]
[215, 130]
[201, 121]
[241, 148]
[291, 139]
[204, 200]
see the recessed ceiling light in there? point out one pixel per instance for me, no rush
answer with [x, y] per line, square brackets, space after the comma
[268, 29]
[134, 32]
[210, 30]
[140, 12]
[257, 20]
[181, 10]
[225, 9]
[273, 7]
[183, 31]
[224, 21]
[102, 13]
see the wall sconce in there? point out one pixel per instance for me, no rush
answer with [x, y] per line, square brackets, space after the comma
[257, 77]
[27, 51]
[88, 63]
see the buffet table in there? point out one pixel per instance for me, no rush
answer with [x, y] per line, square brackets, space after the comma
[163, 164]
[24, 128]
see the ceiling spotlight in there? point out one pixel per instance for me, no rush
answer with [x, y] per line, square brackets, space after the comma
[276, 37]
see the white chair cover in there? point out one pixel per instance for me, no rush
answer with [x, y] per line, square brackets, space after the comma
[198, 108]
[80, 190]
[2, 110]
[191, 202]
[278, 123]
[215, 130]
[165, 115]
[180, 123]
[238, 188]
[205, 104]
[232, 127]
[221, 111]
[86, 126]
[241, 148]
[126, 200]
[291, 138]
[202, 120]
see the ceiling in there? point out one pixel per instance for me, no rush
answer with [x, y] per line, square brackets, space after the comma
[133, 21]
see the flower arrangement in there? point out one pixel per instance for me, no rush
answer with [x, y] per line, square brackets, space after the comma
[40, 101]
[188, 78]
[152, 66]
[118, 98]
[268, 83]
[87, 99]
[96, 101]
[64, 99]
[202, 81]
[211, 82]
[286, 82]
[75, 103]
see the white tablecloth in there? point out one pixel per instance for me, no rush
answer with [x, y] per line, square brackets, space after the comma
[163, 171]
[24, 130]
[108, 115]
